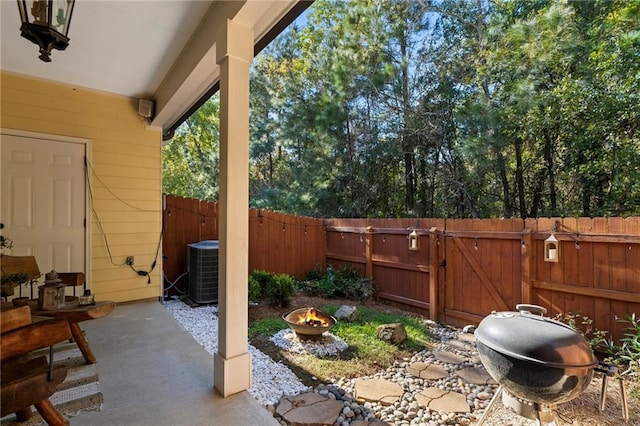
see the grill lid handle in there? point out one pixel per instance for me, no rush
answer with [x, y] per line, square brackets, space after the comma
[529, 309]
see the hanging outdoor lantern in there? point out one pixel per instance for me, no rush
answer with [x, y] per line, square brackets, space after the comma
[46, 23]
[551, 249]
[414, 241]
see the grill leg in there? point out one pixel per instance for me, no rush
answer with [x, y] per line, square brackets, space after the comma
[546, 416]
[487, 411]
[603, 392]
[625, 407]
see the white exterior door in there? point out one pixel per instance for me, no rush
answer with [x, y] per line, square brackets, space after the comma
[43, 201]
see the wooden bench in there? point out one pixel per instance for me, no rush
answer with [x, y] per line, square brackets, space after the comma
[27, 380]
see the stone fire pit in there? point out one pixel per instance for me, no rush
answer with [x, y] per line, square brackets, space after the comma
[309, 323]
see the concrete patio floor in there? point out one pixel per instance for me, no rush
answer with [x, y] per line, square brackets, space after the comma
[152, 372]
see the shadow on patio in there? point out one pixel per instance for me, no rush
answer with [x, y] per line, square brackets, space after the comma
[152, 372]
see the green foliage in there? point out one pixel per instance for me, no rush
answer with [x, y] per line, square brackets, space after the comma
[314, 274]
[627, 351]
[584, 325]
[437, 109]
[277, 288]
[263, 278]
[280, 289]
[338, 283]
[267, 326]
[8, 282]
[361, 335]
[190, 162]
[255, 289]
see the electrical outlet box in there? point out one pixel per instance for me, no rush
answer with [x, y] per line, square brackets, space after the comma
[129, 260]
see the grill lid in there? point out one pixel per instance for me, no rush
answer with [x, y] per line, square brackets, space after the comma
[529, 337]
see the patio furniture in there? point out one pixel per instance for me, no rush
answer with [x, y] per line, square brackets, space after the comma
[26, 380]
[72, 279]
[17, 270]
[75, 313]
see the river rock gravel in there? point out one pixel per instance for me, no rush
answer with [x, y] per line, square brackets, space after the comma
[273, 380]
[327, 344]
[270, 381]
[452, 350]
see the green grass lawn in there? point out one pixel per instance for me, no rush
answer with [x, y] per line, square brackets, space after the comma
[366, 354]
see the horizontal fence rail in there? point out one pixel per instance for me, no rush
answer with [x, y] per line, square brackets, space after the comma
[466, 268]
[461, 269]
[278, 243]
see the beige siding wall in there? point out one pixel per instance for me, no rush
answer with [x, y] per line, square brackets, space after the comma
[126, 162]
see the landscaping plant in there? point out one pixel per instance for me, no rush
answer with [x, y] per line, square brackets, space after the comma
[336, 283]
[584, 325]
[280, 290]
[627, 352]
[277, 288]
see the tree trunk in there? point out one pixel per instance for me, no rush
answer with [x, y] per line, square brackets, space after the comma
[520, 180]
[407, 148]
[548, 159]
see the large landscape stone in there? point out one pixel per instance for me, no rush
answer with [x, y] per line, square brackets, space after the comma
[378, 390]
[442, 400]
[309, 409]
[392, 333]
[347, 313]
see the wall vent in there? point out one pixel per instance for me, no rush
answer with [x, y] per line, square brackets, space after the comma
[202, 265]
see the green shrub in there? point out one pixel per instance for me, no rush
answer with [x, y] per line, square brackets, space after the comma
[260, 280]
[280, 289]
[315, 274]
[337, 283]
[627, 351]
[255, 289]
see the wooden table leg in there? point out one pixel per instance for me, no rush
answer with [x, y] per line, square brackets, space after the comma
[24, 414]
[82, 342]
[50, 414]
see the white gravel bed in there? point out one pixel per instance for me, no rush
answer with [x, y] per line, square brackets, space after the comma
[327, 344]
[271, 380]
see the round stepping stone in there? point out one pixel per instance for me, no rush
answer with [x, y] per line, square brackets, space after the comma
[460, 345]
[442, 400]
[476, 375]
[467, 337]
[449, 357]
[427, 371]
[378, 390]
[310, 409]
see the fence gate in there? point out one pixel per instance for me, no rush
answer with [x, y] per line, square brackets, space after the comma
[483, 269]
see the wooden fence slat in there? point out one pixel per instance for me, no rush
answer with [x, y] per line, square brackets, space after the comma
[481, 274]
[594, 292]
[434, 300]
[598, 274]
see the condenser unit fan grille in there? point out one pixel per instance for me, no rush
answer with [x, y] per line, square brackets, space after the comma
[202, 264]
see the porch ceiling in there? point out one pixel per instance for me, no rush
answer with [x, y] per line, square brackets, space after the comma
[154, 49]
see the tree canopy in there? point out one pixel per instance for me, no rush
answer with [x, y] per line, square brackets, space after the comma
[394, 108]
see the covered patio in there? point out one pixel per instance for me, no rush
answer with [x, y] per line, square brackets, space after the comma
[151, 371]
[132, 73]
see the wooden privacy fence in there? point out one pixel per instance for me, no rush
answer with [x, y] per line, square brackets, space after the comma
[464, 269]
[277, 242]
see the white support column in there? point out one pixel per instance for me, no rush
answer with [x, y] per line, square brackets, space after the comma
[232, 362]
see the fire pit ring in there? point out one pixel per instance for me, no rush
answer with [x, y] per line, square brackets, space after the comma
[309, 323]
